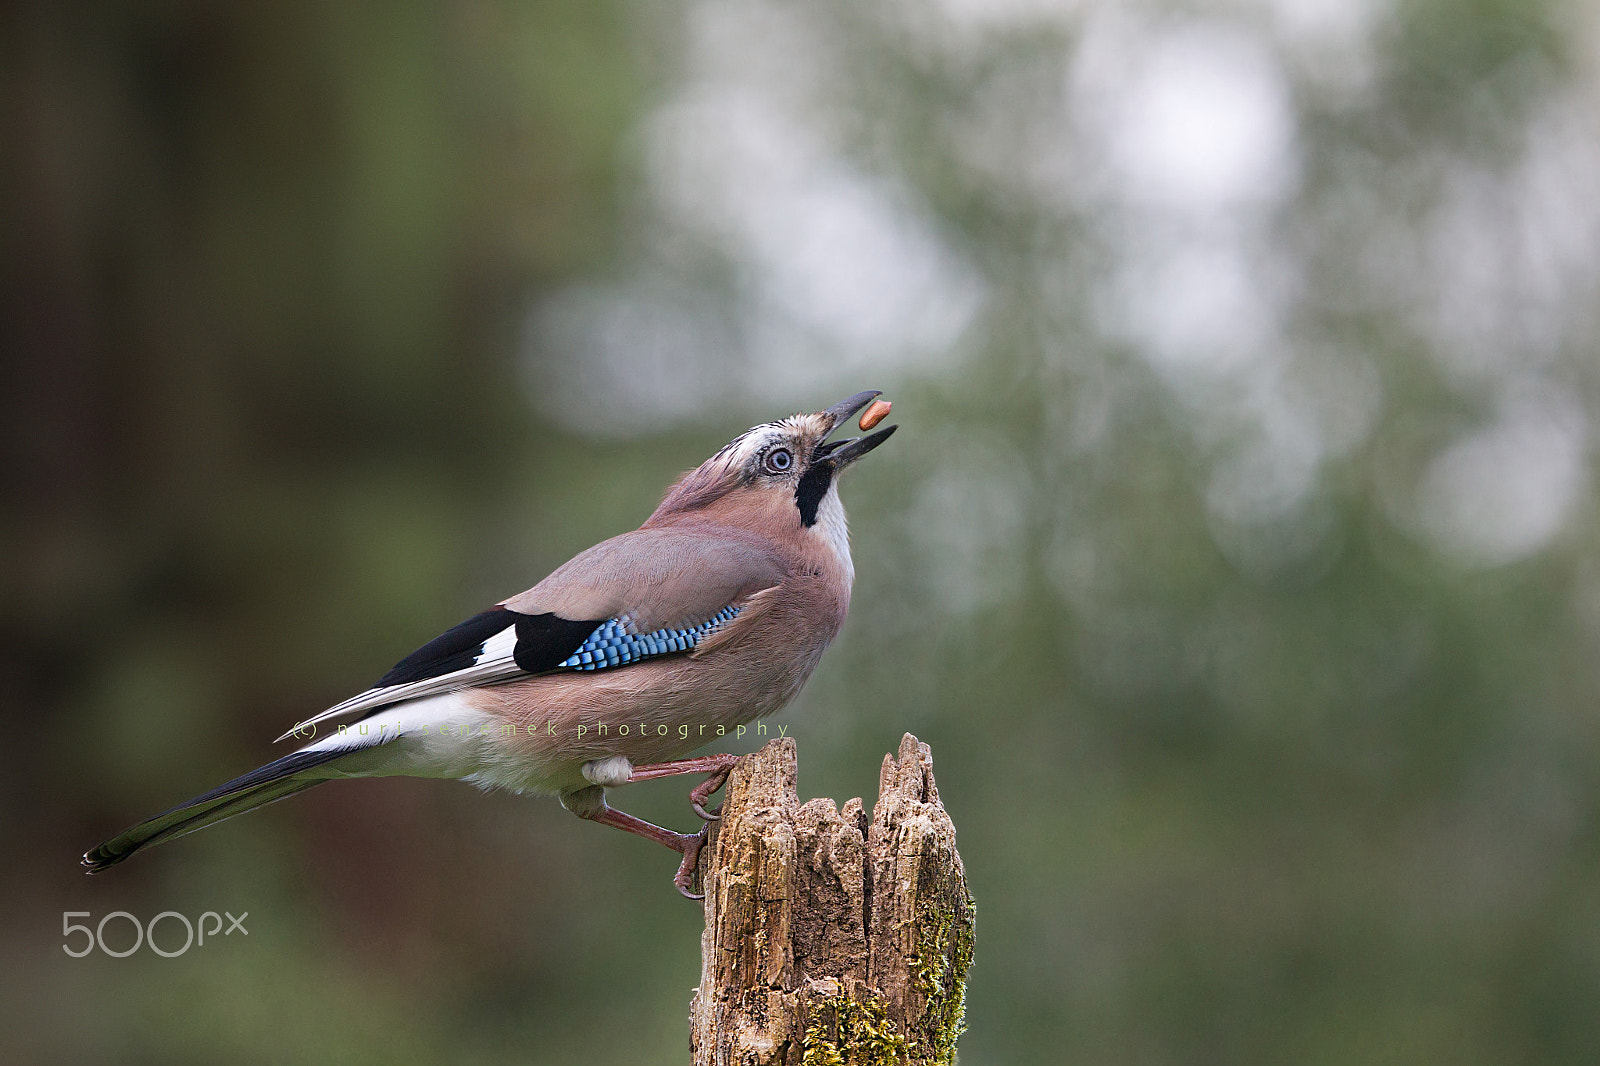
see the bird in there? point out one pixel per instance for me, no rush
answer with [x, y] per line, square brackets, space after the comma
[618, 665]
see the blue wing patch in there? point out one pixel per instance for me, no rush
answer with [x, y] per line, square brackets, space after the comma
[613, 645]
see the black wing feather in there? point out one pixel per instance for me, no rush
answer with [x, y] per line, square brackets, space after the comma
[543, 642]
[454, 649]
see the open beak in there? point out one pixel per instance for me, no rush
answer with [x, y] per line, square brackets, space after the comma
[840, 412]
[841, 453]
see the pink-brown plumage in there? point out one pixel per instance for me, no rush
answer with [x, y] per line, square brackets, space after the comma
[711, 614]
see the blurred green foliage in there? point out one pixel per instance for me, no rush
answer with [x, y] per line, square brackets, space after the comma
[1236, 555]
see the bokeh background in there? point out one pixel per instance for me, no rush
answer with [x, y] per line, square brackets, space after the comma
[1237, 554]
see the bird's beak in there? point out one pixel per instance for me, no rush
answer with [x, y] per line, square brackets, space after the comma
[841, 453]
[840, 412]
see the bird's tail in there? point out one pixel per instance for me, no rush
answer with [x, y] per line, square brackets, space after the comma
[263, 785]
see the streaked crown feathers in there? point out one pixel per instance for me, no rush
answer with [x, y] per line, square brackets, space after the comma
[739, 462]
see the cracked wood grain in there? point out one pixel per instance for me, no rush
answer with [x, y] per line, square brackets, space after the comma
[832, 938]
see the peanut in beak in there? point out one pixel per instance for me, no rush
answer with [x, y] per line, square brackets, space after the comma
[875, 413]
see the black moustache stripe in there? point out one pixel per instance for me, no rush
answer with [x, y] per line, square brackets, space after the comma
[812, 488]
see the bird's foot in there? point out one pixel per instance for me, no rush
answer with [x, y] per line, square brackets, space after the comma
[702, 792]
[716, 767]
[590, 803]
[684, 878]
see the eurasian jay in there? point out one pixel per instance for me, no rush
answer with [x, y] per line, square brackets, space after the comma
[624, 660]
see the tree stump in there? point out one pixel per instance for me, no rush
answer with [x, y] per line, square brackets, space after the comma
[830, 939]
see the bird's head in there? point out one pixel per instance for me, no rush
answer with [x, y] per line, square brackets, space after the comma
[784, 472]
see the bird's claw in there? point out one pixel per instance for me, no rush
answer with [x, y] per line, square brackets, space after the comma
[702, 792]
[684, 878]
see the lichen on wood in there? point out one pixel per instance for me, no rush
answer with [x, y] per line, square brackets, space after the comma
[831, 938]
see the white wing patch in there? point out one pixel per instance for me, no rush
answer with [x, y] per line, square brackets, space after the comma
[498, 648]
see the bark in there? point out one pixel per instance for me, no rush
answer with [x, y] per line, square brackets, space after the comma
[829, 938]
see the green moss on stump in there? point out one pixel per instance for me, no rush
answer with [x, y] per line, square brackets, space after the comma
[865, 1035]
[944, 1017]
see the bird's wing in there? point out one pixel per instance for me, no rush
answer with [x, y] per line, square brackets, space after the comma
[642, 594]
[659, 577]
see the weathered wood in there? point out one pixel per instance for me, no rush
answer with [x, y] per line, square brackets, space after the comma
[830, 939]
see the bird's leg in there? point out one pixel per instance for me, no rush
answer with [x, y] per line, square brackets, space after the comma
[590, 803]
[717, 767]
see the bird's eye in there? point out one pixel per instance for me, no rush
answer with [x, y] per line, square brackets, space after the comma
[779, 460]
